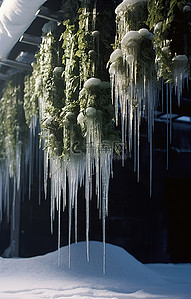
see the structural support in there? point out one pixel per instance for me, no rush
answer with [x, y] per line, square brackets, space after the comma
[30, 39]
[47, 14]
[4, 77]
[15, 64]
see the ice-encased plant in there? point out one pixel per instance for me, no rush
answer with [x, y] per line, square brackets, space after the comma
[13, 142]
[130, 15]
[14, 128]
[75, 111]
[133, 76]
[162, 19]
[141, 58]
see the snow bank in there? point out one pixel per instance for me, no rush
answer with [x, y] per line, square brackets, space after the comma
[39, 277]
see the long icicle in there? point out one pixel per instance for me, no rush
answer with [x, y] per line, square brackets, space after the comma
[170, 89]
[167, 120]
[59, 228]
[138, 143]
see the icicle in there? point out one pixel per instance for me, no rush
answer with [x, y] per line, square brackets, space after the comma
[59, 228]
[130, 119]
[135, 140]
[138, 142]
[87, 228]
[14, 203]
[89, 165]
[151, 159]
[103, 229]
[167, 118]
[30, 163]
[150, 112]
[18, 164]
[123, 139]
[64, 184]
[106, 162]
[180, 73]
[7, 189]
[94, 15]
[40, 176]
[69, 230]
[162, 94]
[170, 89]
[76, 214]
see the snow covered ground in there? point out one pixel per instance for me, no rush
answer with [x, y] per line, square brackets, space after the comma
[40, 277]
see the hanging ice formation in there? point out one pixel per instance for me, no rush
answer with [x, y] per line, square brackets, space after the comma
[76, 122]
[172, 72]
[180, 73]
[10, 152]
[133, 73]
[19, 156]
[98, 152]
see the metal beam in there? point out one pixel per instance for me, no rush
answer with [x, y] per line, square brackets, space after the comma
[47, 14]
[30, 39]
[15, 64]
[4, 77]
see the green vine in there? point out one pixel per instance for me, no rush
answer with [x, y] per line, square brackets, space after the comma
[13, 125]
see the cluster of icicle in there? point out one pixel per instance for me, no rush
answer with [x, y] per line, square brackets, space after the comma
[179, 63]
[180, 75]
[10, 180]
[5, 187]
[16, 168]
[33, 157]
[133, 85]
[179, 68]
[84, 165]
[69, 174]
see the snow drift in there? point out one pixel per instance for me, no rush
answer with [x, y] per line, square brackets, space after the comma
[40, 277]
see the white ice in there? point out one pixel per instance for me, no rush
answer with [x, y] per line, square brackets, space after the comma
[39, 277]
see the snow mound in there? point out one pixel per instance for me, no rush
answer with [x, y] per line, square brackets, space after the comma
[126, 278]
[120, 265]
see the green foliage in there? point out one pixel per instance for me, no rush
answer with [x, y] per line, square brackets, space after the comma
[30, 97]
[85, 56]
[165, 17]
[44, 89]
[13, 126]
[99, 98]
[64, 63]
[136, 16]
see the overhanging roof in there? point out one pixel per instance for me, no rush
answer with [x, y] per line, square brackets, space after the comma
[15, 17]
